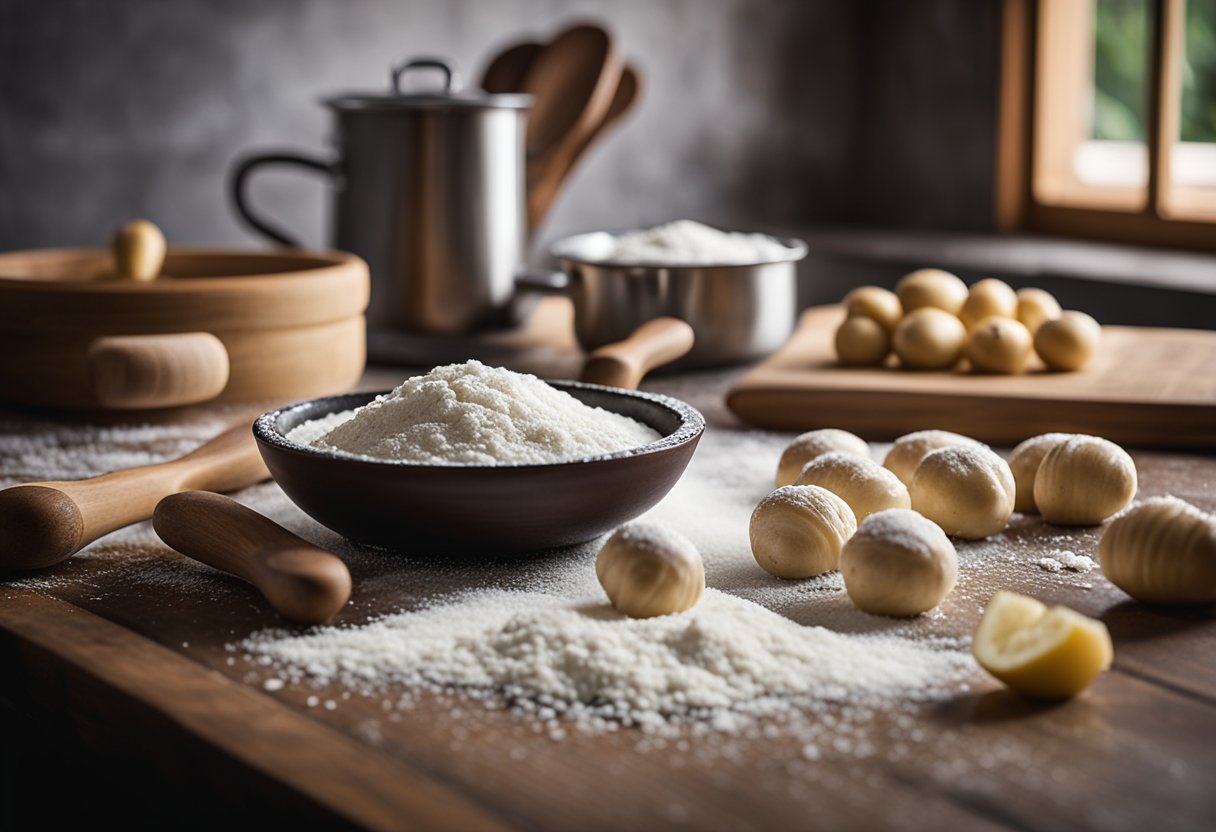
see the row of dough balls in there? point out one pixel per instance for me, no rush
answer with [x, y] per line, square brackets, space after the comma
[885, 527]
[898, 563]
[932, 320]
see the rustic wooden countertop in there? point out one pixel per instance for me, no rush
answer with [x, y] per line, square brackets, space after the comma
[144, 681]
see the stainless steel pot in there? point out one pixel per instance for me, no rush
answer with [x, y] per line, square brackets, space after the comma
[430, 191]
[737, 312]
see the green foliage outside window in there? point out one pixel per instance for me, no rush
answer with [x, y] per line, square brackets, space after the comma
[1121, 70]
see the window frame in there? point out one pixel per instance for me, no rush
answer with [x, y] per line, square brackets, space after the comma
[1032, 195]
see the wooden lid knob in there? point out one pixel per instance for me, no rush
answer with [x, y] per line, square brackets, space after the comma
[139, 251]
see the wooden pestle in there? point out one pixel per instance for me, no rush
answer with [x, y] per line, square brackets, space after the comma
[301, 581]
[43, 523]
[624, 363]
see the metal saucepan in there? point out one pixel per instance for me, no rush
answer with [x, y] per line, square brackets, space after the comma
[480, 510]
[738, 312]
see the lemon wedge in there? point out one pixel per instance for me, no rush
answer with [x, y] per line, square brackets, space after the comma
[1045, 653]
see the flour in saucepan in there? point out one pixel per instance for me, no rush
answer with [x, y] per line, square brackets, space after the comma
[471, 414]
[683, 243]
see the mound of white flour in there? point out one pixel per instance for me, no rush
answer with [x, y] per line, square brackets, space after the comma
[471, 414]
[728, 657]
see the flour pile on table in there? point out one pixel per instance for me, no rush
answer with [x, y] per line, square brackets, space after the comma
[471, 414]
[728, 658]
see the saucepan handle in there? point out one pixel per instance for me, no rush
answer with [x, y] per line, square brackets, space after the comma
[239, 178]
[544, 282]
[657, 342]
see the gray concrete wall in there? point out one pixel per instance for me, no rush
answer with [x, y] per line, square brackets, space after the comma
[776, 114]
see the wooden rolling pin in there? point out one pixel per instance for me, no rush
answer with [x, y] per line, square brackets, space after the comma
[301, 581]
[43, 523]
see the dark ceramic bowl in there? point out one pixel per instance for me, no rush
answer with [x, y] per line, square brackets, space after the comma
[478, 510]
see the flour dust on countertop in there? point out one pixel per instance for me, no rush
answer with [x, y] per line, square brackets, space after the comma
[535, 635]
[539, 637]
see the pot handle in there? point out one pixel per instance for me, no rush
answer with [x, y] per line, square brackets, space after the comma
[136, 372]
[239, 178]
[657, 342]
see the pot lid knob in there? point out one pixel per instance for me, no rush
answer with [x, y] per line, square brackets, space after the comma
[451, 79]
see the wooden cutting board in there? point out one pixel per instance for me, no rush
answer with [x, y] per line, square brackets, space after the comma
[1146, 387]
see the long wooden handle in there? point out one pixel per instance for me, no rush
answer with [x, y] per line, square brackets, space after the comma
[301, 581]
[653, 344]
[130, 372]
[43, 523]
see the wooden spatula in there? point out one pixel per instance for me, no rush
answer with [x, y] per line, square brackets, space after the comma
[43, 523]
[301, 581]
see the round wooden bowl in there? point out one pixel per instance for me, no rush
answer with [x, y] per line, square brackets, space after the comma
[477, 511]
[223, 325]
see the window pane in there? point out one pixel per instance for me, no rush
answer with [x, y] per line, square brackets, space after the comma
[1193, 163]
[1199, 73]
[1193, 157]
[1115, 154]
[1121, 38]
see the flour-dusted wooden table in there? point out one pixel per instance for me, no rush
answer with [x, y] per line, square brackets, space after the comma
[98, 665]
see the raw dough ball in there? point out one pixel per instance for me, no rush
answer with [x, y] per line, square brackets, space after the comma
[929, 339]
[807, 446]
[986, 298]
[650, 570]
[862, 483]
[1024, 462]
[910, 449]
[1162, 551]
[1068, 342]
[1036, 307]
[931, 287]
[798, 531]
[1083, 480]
[862, 342]
[967, 490]
[999, 345]
[874, 302]
[899, 563]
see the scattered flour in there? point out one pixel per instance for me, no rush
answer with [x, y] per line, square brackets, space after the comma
[684, 243]
[1060, 560]
[471, 414]
[536, 634]
[728, 659]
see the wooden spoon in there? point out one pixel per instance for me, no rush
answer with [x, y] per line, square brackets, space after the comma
[43, 523]
[301, 581]
[624, 363]
[548, 180]
[506, 73]
[572, 81]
